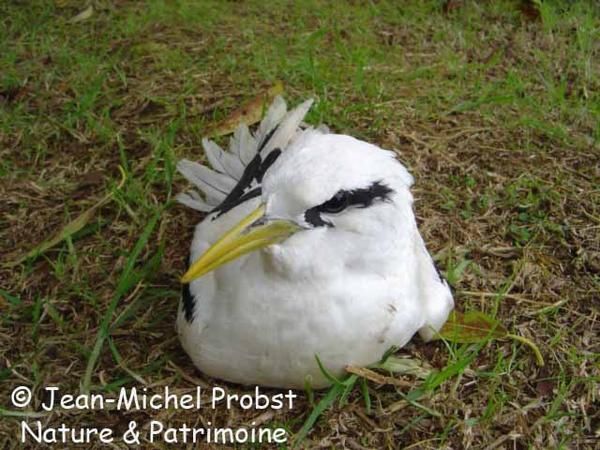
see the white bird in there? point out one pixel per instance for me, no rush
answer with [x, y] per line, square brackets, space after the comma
[310, 249]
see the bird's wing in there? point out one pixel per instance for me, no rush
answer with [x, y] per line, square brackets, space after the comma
[435, 295]
[234, 176]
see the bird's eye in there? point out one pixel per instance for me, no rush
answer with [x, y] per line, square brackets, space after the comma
[337, 203]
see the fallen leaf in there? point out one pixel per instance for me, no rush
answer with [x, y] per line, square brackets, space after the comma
[68, 230]
[405, 366]
[83, 15]
[471, 327]
[474, 326]
[249, 114]
[375, 377]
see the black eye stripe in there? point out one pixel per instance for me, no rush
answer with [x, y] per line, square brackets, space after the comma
[358, 197]
[337, 203]
[362, 198]
[313, 217]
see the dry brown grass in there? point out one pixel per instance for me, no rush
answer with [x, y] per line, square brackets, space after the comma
[495, 115]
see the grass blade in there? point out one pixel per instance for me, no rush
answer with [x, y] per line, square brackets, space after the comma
[334, 392]
[326, 373]
[71, 228]
[126, 281]
[13, 300]
[349, 383]
[539, 359]
[364, 390]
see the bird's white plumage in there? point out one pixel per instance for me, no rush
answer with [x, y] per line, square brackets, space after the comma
[345, 292]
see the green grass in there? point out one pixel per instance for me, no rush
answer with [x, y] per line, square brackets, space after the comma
[495, 113]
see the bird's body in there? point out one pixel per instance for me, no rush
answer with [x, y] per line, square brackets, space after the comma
[352, 279]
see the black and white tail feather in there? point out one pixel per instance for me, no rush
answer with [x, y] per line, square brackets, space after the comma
[236, 175]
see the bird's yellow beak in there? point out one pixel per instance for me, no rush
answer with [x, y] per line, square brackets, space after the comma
[239, 241]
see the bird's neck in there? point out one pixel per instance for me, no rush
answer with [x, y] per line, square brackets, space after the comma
[314, 259]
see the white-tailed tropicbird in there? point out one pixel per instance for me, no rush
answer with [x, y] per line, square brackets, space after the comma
[310, 248]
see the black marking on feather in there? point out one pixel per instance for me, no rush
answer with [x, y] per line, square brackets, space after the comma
[237, 192]
[187, 300]
[437, 269]
[266, 139]
[254, 171]
[442, 279]
[361, 198]
[313, 216]
[268, 162]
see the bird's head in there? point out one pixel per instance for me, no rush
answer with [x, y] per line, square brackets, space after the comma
[327, 196]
